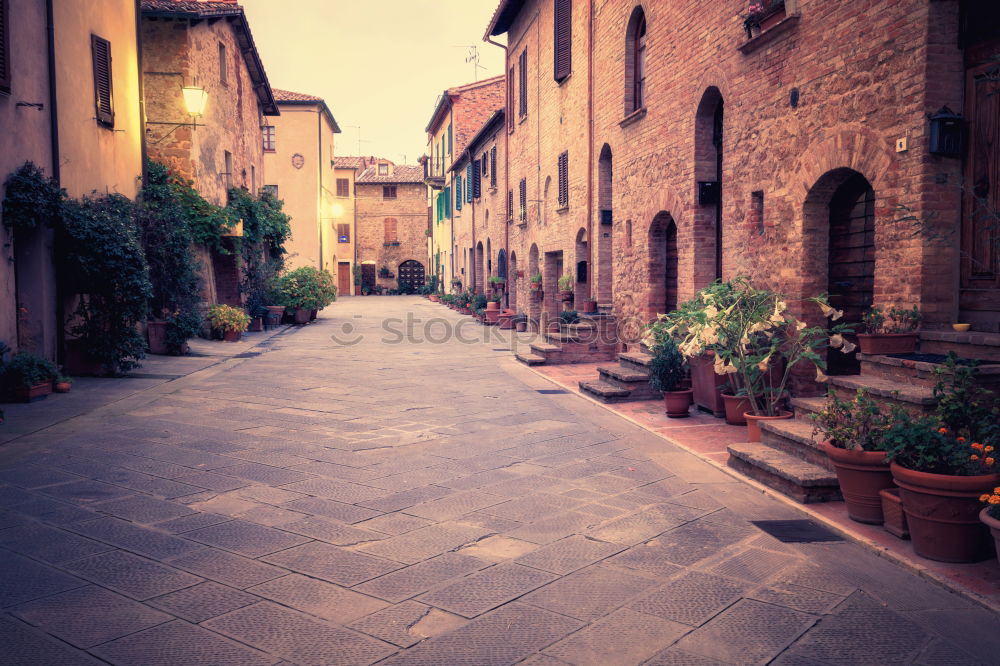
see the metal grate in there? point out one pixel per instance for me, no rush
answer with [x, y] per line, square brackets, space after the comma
[796, 531]
[550, 391]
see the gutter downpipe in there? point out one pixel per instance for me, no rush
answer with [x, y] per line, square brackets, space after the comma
[506, 153]
[591, 250]
[50, 30]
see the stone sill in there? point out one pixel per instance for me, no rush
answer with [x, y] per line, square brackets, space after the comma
[633, 117]
[769, 35]
[563, 209]
[967, 338]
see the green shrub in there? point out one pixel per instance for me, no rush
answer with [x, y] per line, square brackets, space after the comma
[25, 370]
[308, 288]
[666, 369]
[228, 318]
[31, 199]
[569, 317]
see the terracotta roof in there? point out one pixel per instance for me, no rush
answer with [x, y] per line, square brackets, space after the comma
[403, 173]
[448, 95]
[302, 99]
[348, 162]
[191, 9]
[503, 17]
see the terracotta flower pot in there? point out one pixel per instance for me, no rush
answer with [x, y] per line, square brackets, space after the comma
[256, 325]
[506, 320]
[232, 336]
[590, 306]
[33, 393]
[678, 403]
[62, 387]
[943, 514]
[736, 406]
[707, 385]
[862, 475]
[521, 326]
[753, 421]
[156, 335]
[274, 315]
[302, 316]
[888, 343]
[434, 298]
[566, 295]
[892, 511]
[994, 526]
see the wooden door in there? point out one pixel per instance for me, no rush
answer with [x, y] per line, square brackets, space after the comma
[670, 271]
[343, 278]
[411, 274]
[368, 277]
[980, 264]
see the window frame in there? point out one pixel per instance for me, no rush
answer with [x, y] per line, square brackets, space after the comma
[563, 179]
[343, 237]
[270, 139]
[389, 192]
[562, 39]
[346, 182]
[522, 192]
[223, 64]
[493, 166]
[639, 65]
[100, 49]
[522, 66]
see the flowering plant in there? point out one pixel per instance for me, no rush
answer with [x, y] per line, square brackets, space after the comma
[755, 339]
[566, 282]
[893, 320]
[856, 425]
[993, 500]
[228, 318]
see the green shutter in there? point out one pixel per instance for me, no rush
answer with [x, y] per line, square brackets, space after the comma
[458, 193]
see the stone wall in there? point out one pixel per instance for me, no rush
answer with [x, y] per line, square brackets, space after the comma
[409, 209]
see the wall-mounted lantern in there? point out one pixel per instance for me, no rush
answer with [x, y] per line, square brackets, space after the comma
[708, 192]
[947, 133]
[195, 100]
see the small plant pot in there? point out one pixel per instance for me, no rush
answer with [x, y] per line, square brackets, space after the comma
[313, 314]
[888, 343]
[862, 475]
[943, 514]
[892, 512]
[536, 286]
[753, 423]
[33, 393]
[62, 387]
[505, 321]
[566, 296]
[994, 526]
[590, 306]
[736, 406]
[521, 326]
[274, 315]
[302, 316]
[492, 314]
[232, 336]
[961, 328]
[434, 298]
[678, 403]
[156, 335]
[256, 325]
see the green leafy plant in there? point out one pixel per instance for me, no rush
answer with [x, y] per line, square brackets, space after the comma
[308, 288]
[857, 424]
[566, 282]
[384, 272]
[893, 320]
[31, 199]
[479, 301]
[536, 278]
[667, 368]
[495, 280]
[25, 370]
[206, 221]
[228, 318]
[569, 317]
[357, 275]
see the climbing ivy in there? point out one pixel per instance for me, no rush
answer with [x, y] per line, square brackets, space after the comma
[31, 199]
[265, 229]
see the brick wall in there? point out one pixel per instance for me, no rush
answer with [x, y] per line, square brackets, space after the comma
[409, 209]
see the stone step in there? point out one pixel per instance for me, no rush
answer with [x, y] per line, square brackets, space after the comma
[541, 348]
[634, 381]
[795, 437]
[971, 344]
[788, 474]
[915, 399]
[624, 375]
[920, 370]
[530, 359]
[635, 359]
[805, 406]
[605, 392]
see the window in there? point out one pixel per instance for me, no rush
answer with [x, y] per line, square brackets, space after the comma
[458, 193]
[640, 66]
[253, 180]
[390, 230]
[228, 175]
[493, 166]
[383, 169]
[756, 217]
[510, 205]
[484, 161]
[564, 180]
[477, 180]
[343, 187]
[223, 65]
[270, 189]
[446, 213]
[269, 143]
[103, 92]
[562, 41]
[450, 144]
[510, 100]
[343, 233]
[388, 191]
[5, 46]
[522, 190]
[635, 62]
[522, 64]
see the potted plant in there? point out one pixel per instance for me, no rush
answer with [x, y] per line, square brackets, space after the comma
[520, 322]
[232, 321]
[763, 14]
[496, 282]
[385, 273]
[493, 309]
[26, 377]
[62, 384]
[853, 433]
[566, 287]
[667, 374]
[990, 515]
[307, 289]
[589, 306]
[893, 331]
[567, 317]
[536, 282]
[944, 462]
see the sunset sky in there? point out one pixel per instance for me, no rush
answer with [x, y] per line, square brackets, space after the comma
[379, 65]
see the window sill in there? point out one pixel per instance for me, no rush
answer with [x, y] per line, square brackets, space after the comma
[562, 209]
[564, 80]
[492, 190]
[633, 117]
[521, 119]
[769, 35]
[271, 150]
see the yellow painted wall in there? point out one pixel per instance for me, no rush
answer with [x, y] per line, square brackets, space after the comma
[345, 212]
[94, 157]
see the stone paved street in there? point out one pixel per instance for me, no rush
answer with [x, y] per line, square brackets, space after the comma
[415, 502]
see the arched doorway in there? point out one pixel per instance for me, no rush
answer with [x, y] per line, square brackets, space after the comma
[512, 281]
[411, 276]
[663, 257]
[534, 297]
[709, 189]
[605, 206]
[581, 274]
[478, 267]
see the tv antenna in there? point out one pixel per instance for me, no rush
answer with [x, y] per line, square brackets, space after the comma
[360, 140]
[472, 56]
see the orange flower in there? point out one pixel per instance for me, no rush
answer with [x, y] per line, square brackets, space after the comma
[988, 449]
[989, 461]
[973, 457]
[984, 498]
[942, 430]
[977, 446]
[960, 440]
[994, 500]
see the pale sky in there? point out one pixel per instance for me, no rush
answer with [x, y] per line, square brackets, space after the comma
[379, 64]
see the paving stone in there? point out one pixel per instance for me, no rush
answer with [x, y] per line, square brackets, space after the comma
[140, 509]
[299, 638]
[131, 575]
[555, 527]
[49, 544]
[8, 519]
[25, 645]
[590, 593]
[213, 481]
[345, 513]
[146, 483]
[749, 632]
[335, 489]
[695, 541]
[646, 524]
[265, 473]
[601, 511]
[203, 601]
[606, 484]
[480, 479]
[491, 524]
[754, 565]
[332, 563]
[674, 656]
[191, 522]
[504, 636]
[454, 506]
[623, 637]
[527, 485]
[541, 660]
[394, 523]
[532, 507]
[268, 495]
[943, 653]
[691, 599]
[178, 642]
[797, 597]
[331, 531]
[335, 471]
[85, 491]
[568, 555]
[135, 538]
[487, 589]
[271, 458]
[88, 616]
[413, 580]
[270, 516]
[410, 479]
[156, 467]
[245, 538]
[227, 568]
[330, 602]
[22, 579]
[646, 557]
[407, 498]
[392, 624]
[33, 476]
[426, 542]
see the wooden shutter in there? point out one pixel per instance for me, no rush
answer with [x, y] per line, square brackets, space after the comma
[468, 183]
[523, 90]
[343, 187]
[344, 233]
[562, 41]
[103, 93]
[484, 162]
[523, 196]
[390, 230]
[493, 166]
[477, 180]
[5, 45]
[510, 100]
[458, 193]
[564, 179]
[510, 204]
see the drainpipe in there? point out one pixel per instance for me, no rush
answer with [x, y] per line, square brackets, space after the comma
[142, 92]
[50, 30]
[319, 168]
[506, 153]
[591, 250]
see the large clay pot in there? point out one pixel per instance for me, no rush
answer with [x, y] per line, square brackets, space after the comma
[707, 385]
[256, 325]
[994, 526]
[232, 336]
[753, 420]
[736, 407]
[302, 315]
[313, 314]
[566, 295]
[156, 335]
[888, 343]
[678, 403]
[33, 393]
[942, 511]
[862, 475]
[274, 315]
[589, 306]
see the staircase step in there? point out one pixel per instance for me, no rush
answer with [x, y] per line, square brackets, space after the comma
[623, 374]
[542, 347]
[795, 437]
[605, 392]
[789, 475]
[530, 359]
[805, 406]
[635, 359]
[913, 397]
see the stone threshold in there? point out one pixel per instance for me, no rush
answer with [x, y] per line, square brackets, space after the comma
[979, 583]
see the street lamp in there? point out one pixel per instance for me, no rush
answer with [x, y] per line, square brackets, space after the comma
[195, 100]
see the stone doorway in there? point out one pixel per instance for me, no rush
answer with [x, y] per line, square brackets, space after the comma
[663, 268]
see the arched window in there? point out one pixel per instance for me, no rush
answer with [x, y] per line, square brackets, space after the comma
[635, 62]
